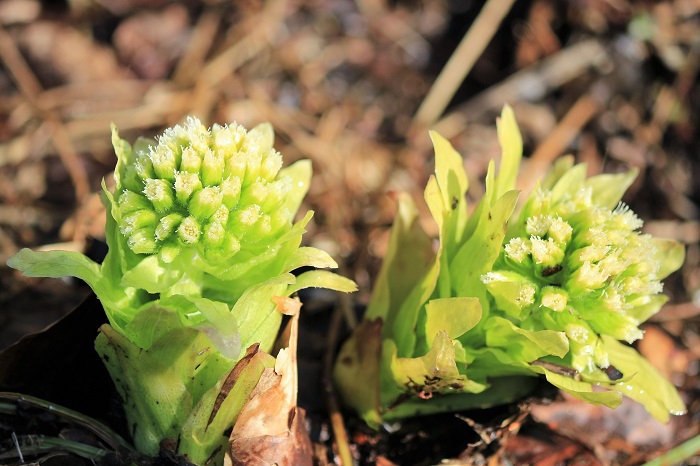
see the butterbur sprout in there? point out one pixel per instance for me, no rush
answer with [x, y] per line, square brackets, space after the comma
[206, 189]
[555, 284]
[588, 259]
[202, 242]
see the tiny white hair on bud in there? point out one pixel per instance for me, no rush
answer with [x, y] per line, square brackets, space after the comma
[593, 253]
[491, 277]
[538, 225]
[189, 230]
[221, 215]
[624, 217]
[560, 230]
[517, 249]
[591, 276]
[526, 295]
[543, 250]
[579, 334]
[554, 299]
[249, 215]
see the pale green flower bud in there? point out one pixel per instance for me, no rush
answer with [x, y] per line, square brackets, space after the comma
[227, 139]
[191, 161]
[167, 226]
[164, 162]
[214, 234]
[600, 355]
[560, 231]
[205, 202]
[185, 185]
[130, 180]
[261, 229]
[271, 165]
[616, 325]
[590, 253]
[243, 220]
[540, 202]
[587, 278]
[235, 166]
[139, 219]
[141, 241]
[554, 298]
[189, 230]
[212, 168]
[538, 225]
[255, 193]
[546, 253]
[144, 167]
[221, 215]
[513, 292]
[231, 191]
[160, 193]
[624, 219]
[518, 249]
[130, 201]
[276, 192]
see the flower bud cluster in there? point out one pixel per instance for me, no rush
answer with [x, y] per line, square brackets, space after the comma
[578, 267]
[214, 190]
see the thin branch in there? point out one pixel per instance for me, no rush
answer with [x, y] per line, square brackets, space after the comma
[461, 62]
[585, 108]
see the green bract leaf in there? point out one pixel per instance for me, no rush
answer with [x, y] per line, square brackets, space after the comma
[436, 372]
[152, 377]
[401, 272]
[151, 324]
[511, 151]
[309, 257]
[360, 359]
[322, 279]
[503, 390]
[570, 182]
[452, 182]
[204, 432]
[151, 275]
[559, 167]
[608, 189]
[525, 345]
[581, 390]
[455, 316]
[299, 174]
[646, 385]
[56, 264]
[670, 254]
[478, 254]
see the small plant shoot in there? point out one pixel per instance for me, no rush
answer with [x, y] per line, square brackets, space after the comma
[202, 242]
[553, 285]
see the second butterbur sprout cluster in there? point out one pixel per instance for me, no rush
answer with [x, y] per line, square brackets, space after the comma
[549, 285]
[576, 263]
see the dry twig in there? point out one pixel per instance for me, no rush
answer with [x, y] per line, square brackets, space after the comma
[461, 61]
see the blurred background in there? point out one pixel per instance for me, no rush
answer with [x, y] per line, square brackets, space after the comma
[354, 86]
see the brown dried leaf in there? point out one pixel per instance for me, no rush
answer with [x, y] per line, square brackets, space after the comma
[270, 429]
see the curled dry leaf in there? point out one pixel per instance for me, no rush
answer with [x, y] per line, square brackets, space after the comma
[270, 429]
